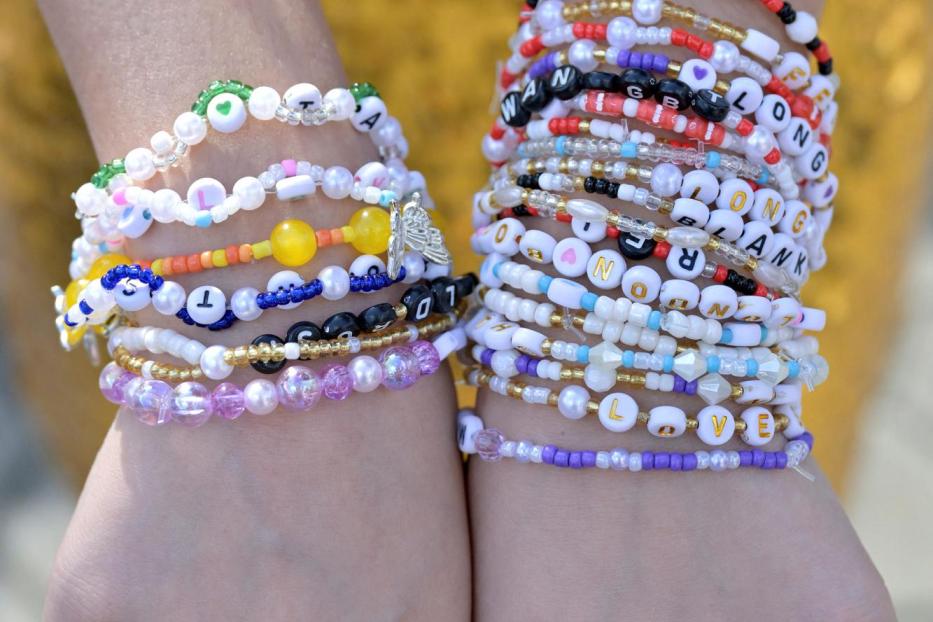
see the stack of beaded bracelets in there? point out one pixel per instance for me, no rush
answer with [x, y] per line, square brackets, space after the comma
[392, 342]
[729, 152]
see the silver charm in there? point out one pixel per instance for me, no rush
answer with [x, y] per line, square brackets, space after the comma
[412, 228]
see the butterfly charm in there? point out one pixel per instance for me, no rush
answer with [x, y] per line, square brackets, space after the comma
[411, 228]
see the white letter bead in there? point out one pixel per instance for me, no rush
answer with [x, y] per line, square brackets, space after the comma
[726, 224]
[774, 113]
[755, 392]
[371, 114]
[757, 238]
[131, 295]
[735, 195]
[370, 264]
[506, 236]
[759, 426]
[784, 312]
[685, 263]
[718, 302]
[760, 44]
[449, 342]
[303, 96]
[537, 246]
[666, 421]
[206, 304]
[745, 95]
[679, 294]
[813, 319]
[641, 284]
[468, 425]
[697, 74]
[700, 185]
[689, 212]
[567, 293]
[588, 230]
[134, 221]
[787, 393]
[813, 163]
[571, 256]
[528, 341]
[284, 280]
[821, 193]
[605, 269]
[753, 309]
[476, 327]
[226, 113]
[715, 425]
[294, 187]
[768, 206]
[618, 412]
[794, 69]
[205, 193]
[795, 218]
[498, 336]
[782, 250]
[796, 138]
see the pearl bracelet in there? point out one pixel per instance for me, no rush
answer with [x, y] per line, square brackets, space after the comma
[492, 446]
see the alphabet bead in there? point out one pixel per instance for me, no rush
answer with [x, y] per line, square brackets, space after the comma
[618, 412]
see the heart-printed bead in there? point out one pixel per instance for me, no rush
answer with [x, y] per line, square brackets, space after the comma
[571, 255]
[226, 113]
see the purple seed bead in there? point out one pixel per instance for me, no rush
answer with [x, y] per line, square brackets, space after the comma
[781, 460]
[770, 460]
[677, 462]
[228, 399]
[547, 454]
[647, 460]
[576, 460]
[561, 458]
[111, 381]
[807, 438]
[691, 388]
[336, 382]
[758, 457]
[660, 63]
[533, 367]
[188, 404]
[679, 384]
[589, 459]
[690, 462]
[399, 368]
[745, 458]
[144, 399]
[521, 364]
[428, 359]
[298, 388]
[622, 58]
[487, 444]
[486, 356]
[634, 60]
[662, 460]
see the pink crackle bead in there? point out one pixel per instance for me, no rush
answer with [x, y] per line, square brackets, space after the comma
[188, 404]
[144, 399]
[299, 388]
[400, 368]
[112, 381]
[337, 382]
[228, 399]
[428, 359]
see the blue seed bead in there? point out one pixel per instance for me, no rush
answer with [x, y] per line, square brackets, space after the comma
[668, 363]
[583, 354]
[793, 369]
[654, 320]
[203, 220]
[386, 197]
[713, 159]
[726, 336]
[120, 271]
[751, 367]
[712, 364]
[495, 269]
[281, 297]
[544, 283]
[588, 301]
[628, 150]
[764, 333]
[559, 145]
[763, 179]
[133, 272]
[628, 358]
[85, 307]
[401, 274]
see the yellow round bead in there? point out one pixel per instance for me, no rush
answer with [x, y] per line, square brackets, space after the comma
[371, 230]
[71, 292]
[106, 262]
[74, 335]
[293, 243]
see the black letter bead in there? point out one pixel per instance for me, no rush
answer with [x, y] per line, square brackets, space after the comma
[710, 105]
[465, 285]
[601, 81]
[445, 294]
[377, 317]
[637, 83]
[634, 247]
[267, 367]
[303, 331]
[565, 82]
[674, 94]
[418, 301]
[341, 325]
[536, 95]
[512, 112]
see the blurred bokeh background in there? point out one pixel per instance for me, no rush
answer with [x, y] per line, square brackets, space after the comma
[873, 418]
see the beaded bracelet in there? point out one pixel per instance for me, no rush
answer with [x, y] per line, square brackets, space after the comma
[298, 388]
[492, 446]
[217, 362]
[801, 27]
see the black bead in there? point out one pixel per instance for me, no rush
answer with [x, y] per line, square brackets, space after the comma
[527, 180]
[377, 317]
[673, 93]
[634, 247]
[787, 14]
[601, 81]
[465, 285]
[304, 331]
[444, 292]
[826, 68]
[637, 83]
[418, 301]
[813, 45]
[267, 367]
[739, 283]
[343, 324]
[536, 95]
[710, 105]
[512, 112]
[566, 82]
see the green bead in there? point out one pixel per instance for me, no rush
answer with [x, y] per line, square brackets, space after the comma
[118, 166]
[359, 90]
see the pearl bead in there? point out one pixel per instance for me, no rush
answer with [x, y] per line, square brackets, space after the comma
[647, 12]
[549, 14]
[666, 179]
[388, 133]
[366, 373]
[213, 364]
[243, 304]
[263, 102]
[343, 102]
[190, 128]
[337, 182]
[260, 397]
[336, 282]
[90, 200]
[495, 150]
[164, 206]
[580, 55]
[169, 298]
[621, 31]
[249, 193]
[803, 29]
[618, 459]
[717, 460]
[139, 164]
[162, 142]
[725, 56]
[572, 400]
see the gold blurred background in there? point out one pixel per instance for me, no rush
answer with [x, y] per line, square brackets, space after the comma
[434, 56]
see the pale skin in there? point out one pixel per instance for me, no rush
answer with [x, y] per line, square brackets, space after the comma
[357, 511]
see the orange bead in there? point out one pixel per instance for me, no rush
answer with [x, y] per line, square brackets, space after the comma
[233, 255]
[206, 261]
[245, 253]
[323, 237]
[193, 262]
[178, 265]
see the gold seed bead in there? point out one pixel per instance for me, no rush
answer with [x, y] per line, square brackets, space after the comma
[781, 422]
[721, 87]
[673, 69]
[713, 244]
[752, 263]
[552, 399]
[692, 424]
[660, 234]
[599, 55]
[546, 347]
[566, 373]
[643, 416]
[666, 206]
[737, 391]
[578, 373]
[592, 407]
[401, 311]
[740, 425]
[584, 125]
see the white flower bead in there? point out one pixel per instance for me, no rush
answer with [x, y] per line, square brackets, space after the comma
[139, 164]
[343, 103]
[249, 193]
[226, 113]
[263, 102]
[213, 365]
[572, 400]
[336, 282]
[190, 128]
[169, 298]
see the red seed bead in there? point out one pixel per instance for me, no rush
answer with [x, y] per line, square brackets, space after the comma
[822, 53]
[497, 132]
[662, 249]
[721, 273]
[532, 210]
[745, 127]
[506, 78]
[563, 217]
[531, 47]
[773, 5]
[761, 290]
[612, 232]
[773, 157]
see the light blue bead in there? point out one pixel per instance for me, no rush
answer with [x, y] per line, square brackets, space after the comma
[654, 320]
[726, 336]
[712, 364]
[764, 333]
[713, 159]
[583, 354]
[628, 358]
[751, 368]
[588, 301]
[522, 150]
[495, 269]
[203, 219]
[763, 179]
[793, 369]
[544, 283]
[668, 363]
[386, 197]
[559, 145]
[628, 150]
